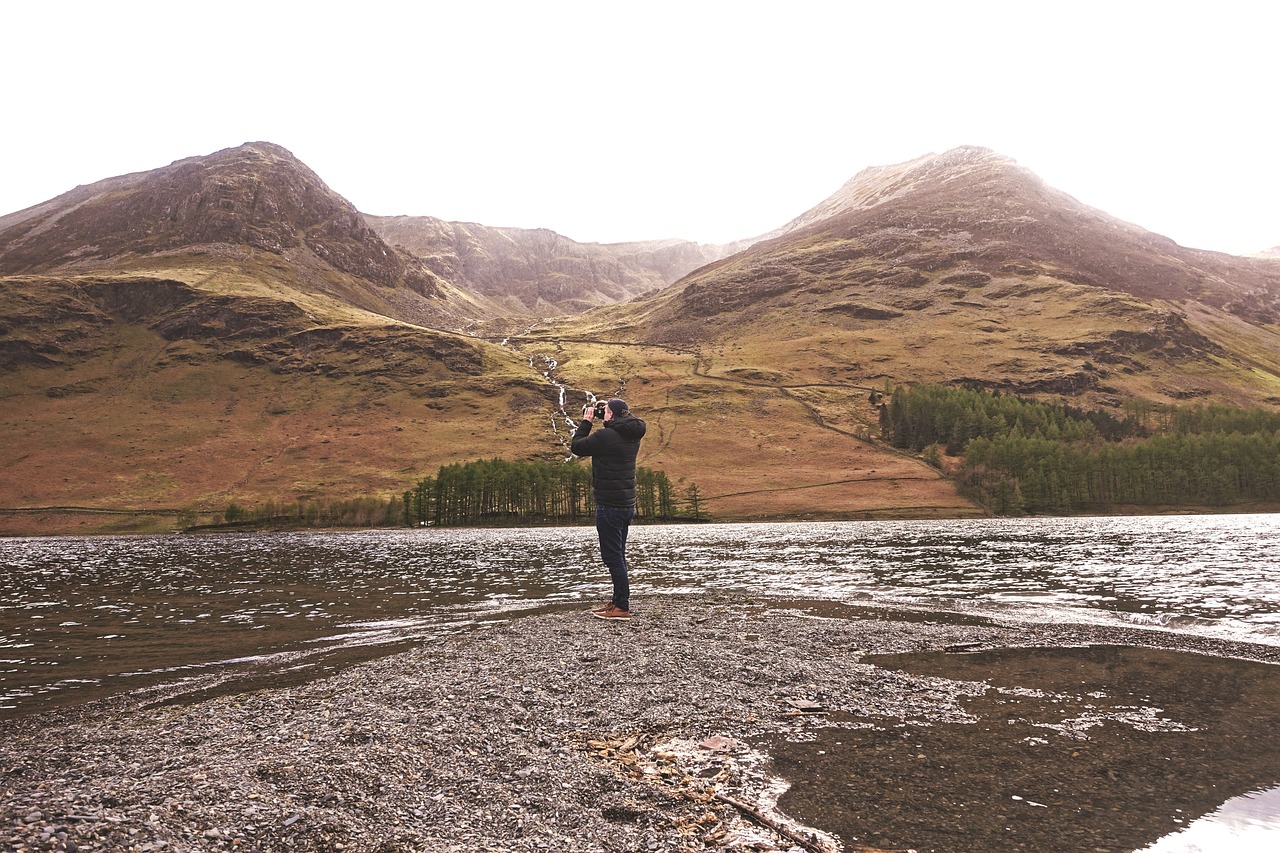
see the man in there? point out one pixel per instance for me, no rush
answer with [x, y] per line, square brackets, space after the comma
[613, 452]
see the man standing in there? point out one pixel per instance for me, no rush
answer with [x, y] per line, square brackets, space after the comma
[613, 452]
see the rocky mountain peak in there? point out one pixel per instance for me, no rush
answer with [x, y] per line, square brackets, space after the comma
[876, 185]
[936, 234]
[257, 194]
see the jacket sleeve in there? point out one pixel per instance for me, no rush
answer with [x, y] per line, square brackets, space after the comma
[582, 444]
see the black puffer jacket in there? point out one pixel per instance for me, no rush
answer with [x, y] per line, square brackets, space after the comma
[613, 452]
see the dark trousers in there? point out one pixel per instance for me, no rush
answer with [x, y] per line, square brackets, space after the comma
[612, 523]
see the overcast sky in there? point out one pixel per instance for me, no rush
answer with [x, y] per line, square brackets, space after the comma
[710, 121]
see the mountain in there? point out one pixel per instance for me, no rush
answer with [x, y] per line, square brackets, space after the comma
[539, 273]
[965, 267]
[256, 195]
[959, 268]
[252, 206]
[229, 329]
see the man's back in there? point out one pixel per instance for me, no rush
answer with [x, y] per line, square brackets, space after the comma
[613, 450]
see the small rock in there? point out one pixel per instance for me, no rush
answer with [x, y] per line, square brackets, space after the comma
[805, 706]
[720, 743]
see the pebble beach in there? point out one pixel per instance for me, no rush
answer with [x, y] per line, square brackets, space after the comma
[555, 732]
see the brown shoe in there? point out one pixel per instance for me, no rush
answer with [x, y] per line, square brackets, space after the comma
[603, 607]
[611, 612]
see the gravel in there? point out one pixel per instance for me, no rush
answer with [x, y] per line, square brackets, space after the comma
[553, 732]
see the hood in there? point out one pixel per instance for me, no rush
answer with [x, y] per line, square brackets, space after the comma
[629, 427]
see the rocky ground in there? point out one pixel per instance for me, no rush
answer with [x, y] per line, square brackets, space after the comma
[554, 732]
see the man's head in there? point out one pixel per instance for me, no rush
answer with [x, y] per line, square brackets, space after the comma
[617, 408]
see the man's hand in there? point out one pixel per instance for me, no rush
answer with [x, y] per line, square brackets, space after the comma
[588, 412]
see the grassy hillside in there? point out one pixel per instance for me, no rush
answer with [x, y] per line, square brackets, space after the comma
[757, 448]
[1033, 335]
[138, 392]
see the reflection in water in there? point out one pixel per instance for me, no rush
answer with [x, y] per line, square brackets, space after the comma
[1249, 823]
[87, 616]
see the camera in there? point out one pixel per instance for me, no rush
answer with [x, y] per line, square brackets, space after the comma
[600, 407]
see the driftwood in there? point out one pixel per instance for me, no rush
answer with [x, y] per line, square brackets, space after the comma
[769, 823]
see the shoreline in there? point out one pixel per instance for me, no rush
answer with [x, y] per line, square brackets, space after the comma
[143, 522]
[560, 732]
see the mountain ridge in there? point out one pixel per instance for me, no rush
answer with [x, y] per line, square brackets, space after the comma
[255, 209]
[982, 202]
[538, 272]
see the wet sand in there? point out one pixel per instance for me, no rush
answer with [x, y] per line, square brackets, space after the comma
[894, 729]
[1095, 748]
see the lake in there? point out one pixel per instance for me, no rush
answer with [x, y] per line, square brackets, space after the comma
[87, 617]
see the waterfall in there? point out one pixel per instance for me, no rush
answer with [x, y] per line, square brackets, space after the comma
[570, 420]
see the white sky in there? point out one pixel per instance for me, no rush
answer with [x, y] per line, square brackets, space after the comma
[711, 121]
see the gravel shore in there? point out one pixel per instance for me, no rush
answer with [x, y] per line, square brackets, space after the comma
[552, 732]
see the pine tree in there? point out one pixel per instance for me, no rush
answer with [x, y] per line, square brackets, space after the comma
[693, 502]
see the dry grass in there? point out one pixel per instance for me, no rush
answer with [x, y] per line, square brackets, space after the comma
[1034, 335]
[142, 422]
[770, 417]
[758, 450]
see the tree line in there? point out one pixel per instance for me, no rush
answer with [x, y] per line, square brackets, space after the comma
[500, 491]
[921, 415]
[1022, 456]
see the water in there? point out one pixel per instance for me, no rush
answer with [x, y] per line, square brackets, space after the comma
[561, 415]
[83, 618]
[1244, 824]
[86, 617]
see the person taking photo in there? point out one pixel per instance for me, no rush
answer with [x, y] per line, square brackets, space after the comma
[613, 450]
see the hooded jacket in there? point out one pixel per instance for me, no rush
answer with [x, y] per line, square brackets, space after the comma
[613, 450]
